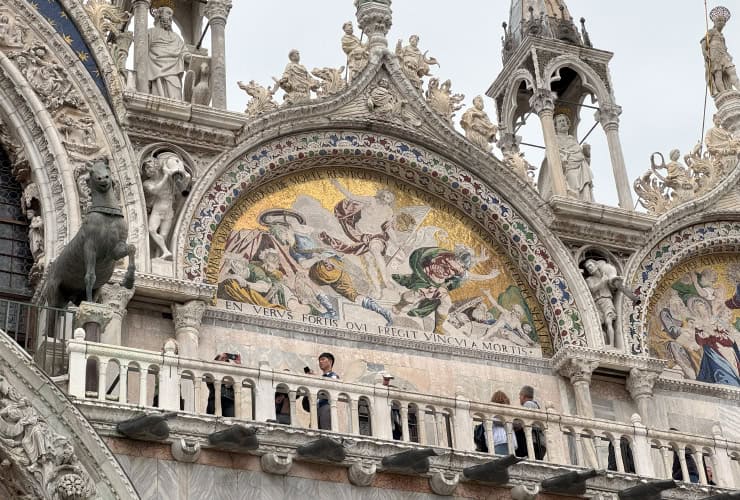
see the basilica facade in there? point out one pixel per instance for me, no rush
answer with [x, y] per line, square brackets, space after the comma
[181, 283]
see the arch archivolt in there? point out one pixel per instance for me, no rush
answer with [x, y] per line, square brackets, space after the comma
[398, 159]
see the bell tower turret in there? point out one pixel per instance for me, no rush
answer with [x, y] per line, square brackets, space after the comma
[550, 67]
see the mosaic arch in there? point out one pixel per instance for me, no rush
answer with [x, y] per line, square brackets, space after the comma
[293, 159]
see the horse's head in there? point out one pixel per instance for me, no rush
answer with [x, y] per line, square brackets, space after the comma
[100, 176]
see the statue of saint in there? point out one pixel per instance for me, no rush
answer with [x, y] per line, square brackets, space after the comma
[414, 64]
[166, 62]
[720, 70]
[575, 160]
[600, 280]
[296, 81]
[477, 126]
[356, 51]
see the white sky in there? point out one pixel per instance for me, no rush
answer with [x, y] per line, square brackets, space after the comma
[657, 69]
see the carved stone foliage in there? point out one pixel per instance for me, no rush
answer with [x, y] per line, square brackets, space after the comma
[332, 80]
[43, 460]
[667, 185]
[110, 21]
[515, 160]
[441, 99]
[188, 315]
[261, 98]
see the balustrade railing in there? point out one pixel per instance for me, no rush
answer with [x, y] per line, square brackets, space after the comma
[171, 382]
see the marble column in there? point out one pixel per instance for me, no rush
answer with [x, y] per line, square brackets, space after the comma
[116, 297]
[579, 371]
[93, 318]
[608, 116]
[374, 17]
[217, 11]
[141, 43]
[640, 385]
[187, 319]
[543, 103]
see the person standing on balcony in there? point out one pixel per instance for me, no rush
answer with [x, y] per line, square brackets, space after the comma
[227, 391]
[500, 440]
[526, 399]
[323, 411]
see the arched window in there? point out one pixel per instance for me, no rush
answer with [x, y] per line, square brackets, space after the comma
[15, 255]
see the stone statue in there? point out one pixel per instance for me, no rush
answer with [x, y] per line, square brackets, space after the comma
[575, 160]
[414, 64]
[603, 282]
[166, 62]
[86, 263]
[720, 70]
[262, 98]
[722, 145]
[166, 180]
[35, 234]
[296, 82]
[442, 100]
[477, 126]
[331, 79]
[677, 178]
[357, 52]
[198, 84]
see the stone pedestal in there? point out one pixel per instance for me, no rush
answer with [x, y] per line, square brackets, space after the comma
[728, 110]
[116, 297]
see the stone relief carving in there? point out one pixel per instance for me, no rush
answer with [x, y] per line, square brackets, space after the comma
[47, 459]
[12, 35]
[414, 63]
[110, 21]
[682, 182]
[261, 98]
[331, 80]
[477, 126]
[442, 100]
[296, 82]
[166, 181]
[357, 53]
[383, 102]
[78, 134]
[720, 70]
[602, 282]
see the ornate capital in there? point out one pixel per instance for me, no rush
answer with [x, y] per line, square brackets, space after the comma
[374, 17]
[641, 382]
[608, 115]
[89, 312]
[116, 297]
[578, 369]
[217, 9]
[542, 101]
[189, 314]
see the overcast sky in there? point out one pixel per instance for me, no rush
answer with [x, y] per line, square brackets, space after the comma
[657, 69]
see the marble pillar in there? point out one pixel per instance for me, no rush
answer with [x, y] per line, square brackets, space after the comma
[187, 319]
[640, 385]
[217, 11]
[543, 103]
[93, 319]
[608, 116]
[116, 297]
[578, 370]
[141, 43]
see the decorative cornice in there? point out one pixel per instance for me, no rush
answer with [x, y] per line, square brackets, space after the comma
[171, 289]
[724, 392]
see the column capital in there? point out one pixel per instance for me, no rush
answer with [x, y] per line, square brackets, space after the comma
[374, 18]
[217, 10]
[189, 314]
[543, 101]
[90, 312]
[641, 382]
[608, 115]
[116, 297]
[578, 369]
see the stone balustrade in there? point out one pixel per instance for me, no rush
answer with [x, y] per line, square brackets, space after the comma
[171, 382]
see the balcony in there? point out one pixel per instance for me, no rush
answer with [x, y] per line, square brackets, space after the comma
[136, 380]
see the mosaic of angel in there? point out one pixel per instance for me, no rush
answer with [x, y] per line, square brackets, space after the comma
[697, 320]
[361, 250]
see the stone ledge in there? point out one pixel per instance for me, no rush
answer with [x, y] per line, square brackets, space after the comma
[611, 359]
[181, 110]
[170, 289]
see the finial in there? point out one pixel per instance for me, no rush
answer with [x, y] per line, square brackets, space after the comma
[562, 12]
[584, 33]
[531, 13]
[504, 25]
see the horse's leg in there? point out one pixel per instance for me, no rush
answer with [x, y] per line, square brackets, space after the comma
[90, 255]
[128, 278]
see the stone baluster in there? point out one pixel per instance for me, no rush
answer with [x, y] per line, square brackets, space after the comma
[699, 461]
[723, 464]
[440, 428]
[404, 421]
[381, 421]
[510, 437]
[617, 445]
[666, 453]
[640, 385]
[169, 378]
[116, 297]
[462, 429]
[102, 377]
[313, 411]
[123, 383]
[77, 363]
[292, 395]
[217, 11]
[488, 425]
[556, 444]
[682, 461]
[93, 318]
[264, 395]
[141, 43]
[143, 372]
[543, 103]
[354, 408]
[374, 17]
[333, 413]
[238, 400]
[579, 448]
[641, 450]
[608, 116]
[217, 410]
[530, 441]
[421, 425]
[200, 394]
[187, 318]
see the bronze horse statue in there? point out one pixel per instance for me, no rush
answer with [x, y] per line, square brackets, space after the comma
[87, 262]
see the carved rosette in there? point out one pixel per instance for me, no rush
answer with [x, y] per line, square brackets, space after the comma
[189, 314]
[640, 382]
[543, 101]
[578, 369]
[374, 17]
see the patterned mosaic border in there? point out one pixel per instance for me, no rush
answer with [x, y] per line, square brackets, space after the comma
[692, 241]
[407, 162]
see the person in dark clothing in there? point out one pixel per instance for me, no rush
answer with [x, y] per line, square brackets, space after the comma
[227, 391]
[323, 412]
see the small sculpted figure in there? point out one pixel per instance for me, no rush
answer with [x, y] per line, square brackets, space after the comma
[296, 82]
[166, 63]
[477, 126]
[357, 52]
[720, 69]
[414, 63]
[262, 98]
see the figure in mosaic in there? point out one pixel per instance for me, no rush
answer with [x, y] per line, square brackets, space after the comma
[720, 69]
[414, 63]
[296, 82]
[477, 126]
[166, 63]
[357, 52]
